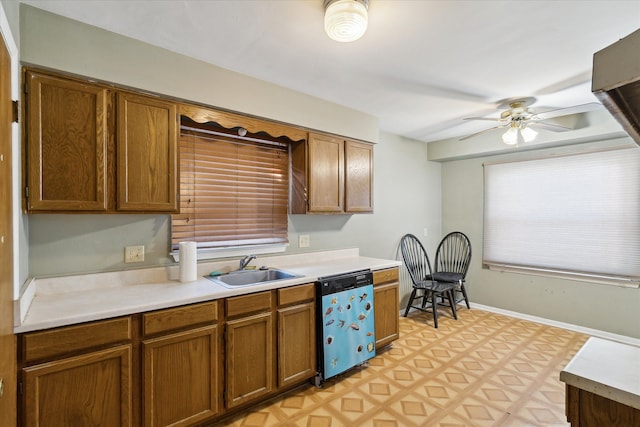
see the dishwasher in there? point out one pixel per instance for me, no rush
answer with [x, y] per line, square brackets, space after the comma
[345, 322]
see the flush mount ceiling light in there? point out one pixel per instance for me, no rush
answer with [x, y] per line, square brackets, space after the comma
[345, 20]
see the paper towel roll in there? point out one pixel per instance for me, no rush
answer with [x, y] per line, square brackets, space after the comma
[188, 261]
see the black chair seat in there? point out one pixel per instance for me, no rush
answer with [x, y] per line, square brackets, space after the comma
[446, 276]
[434, 286]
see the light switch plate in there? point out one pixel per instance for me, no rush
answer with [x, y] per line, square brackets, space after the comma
[133, 254]
[304, 241]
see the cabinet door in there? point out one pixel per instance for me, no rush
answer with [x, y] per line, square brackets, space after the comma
[325, 174]
[250, 363]
[180, 383]
[147, 142]
[66, 143]
[386, 313]
[386, 303]
[93, 389]
[296, 344]
[358, 177]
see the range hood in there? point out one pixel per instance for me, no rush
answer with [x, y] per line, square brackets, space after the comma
[616, 82]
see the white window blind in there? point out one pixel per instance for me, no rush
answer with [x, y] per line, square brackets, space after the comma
[575, 215]
[233, 191]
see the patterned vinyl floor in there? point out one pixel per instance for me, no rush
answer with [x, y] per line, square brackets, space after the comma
[484, 369]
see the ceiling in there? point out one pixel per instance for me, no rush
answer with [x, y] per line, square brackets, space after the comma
[421, 67]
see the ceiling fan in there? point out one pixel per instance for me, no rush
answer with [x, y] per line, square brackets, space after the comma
[519, 117]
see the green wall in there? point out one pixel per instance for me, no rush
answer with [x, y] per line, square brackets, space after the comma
[604, 307]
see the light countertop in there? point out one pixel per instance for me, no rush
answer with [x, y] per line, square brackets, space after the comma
[608, 369]
[61, 301]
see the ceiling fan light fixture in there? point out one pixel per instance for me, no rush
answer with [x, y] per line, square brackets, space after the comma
[510, 137]
[345, 20]
[528, 134]
[518, 134]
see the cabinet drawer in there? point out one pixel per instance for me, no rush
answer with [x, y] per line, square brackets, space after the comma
[62, 341]
[246, 304]
[296, 294]
[384, 276]
[180, 317]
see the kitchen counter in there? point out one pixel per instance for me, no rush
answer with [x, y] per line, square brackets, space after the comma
[62, 301]
[607, 369]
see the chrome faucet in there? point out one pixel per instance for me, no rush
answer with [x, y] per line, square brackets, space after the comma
[245, 261]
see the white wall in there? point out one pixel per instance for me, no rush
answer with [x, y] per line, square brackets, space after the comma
[602, 307]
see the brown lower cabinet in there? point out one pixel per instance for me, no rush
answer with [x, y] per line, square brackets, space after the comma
[78, 375]
[181, 366]
[386, 306]
[586, 409]
[249, 348]
[296, 334]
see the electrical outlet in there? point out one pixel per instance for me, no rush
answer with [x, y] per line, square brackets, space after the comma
[425, 232]
[133, 254]
[304, 241]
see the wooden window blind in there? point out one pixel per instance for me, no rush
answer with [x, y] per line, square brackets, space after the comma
[234, 191]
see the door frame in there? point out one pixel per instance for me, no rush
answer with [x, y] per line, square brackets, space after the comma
[12, 47]
[8, 356]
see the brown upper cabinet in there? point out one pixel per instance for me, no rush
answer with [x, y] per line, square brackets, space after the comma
[358, 177]
[73, 131]
[66, 150]
[331, 175]
[147, 144]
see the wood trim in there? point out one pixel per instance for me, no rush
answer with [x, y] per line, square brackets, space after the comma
[247, 304]
[8, 371]
[174, 319]
[231, 120]
[386, 275]
[296, 294]
[58, 342]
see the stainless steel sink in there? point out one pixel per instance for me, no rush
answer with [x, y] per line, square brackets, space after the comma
[240, 278]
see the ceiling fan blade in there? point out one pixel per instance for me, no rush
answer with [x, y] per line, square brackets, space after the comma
[491, 119]
[426, 89]
[549, 126]
[582, 108]
[565, 84]
[478, 133]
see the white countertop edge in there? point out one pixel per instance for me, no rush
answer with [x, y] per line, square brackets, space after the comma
[616, 378]
[59, 306]
[21, 305]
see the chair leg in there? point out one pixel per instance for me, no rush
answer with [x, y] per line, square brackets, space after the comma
[434, 308]
[413, 295]
[464, 293]
[452, 302]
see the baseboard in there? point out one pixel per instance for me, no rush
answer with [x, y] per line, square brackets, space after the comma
[588, 331]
